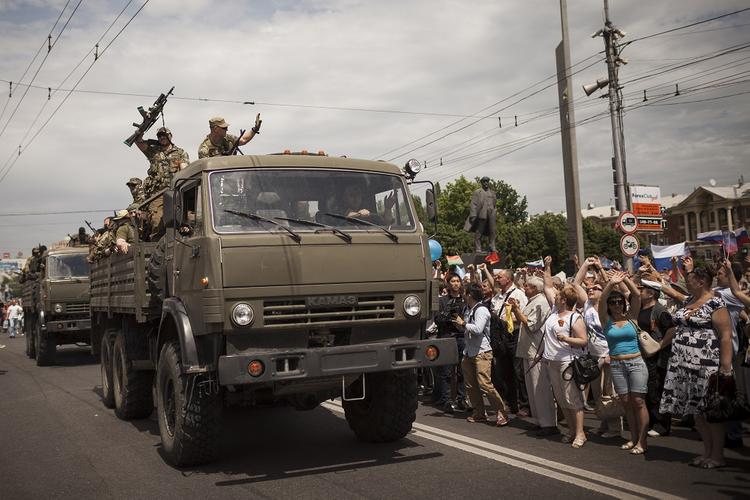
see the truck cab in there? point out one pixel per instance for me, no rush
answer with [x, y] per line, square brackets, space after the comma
[59, 307]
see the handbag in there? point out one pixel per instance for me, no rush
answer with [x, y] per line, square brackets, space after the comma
[584, 369]
[608, 408]
[723, 404]
[648, 345]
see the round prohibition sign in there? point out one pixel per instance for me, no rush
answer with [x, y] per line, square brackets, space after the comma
[628, 222]
[629, 245]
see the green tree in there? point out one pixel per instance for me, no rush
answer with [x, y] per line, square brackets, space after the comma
[600, 240]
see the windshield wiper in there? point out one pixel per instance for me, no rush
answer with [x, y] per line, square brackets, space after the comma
[364, 222]
[296, 237]
[338, 232]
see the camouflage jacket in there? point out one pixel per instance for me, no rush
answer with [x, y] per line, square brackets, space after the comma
[164, 164]
[138, 194]
[208, 149]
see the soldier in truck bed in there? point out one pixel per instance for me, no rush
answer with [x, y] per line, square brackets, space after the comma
[136, 189]
[219, 143]
[166, 159]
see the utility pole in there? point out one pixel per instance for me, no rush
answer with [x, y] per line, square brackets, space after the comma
[568, 135]
[611, 35]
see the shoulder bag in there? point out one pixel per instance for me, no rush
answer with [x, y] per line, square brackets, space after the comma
[648, 345]
[583, 369]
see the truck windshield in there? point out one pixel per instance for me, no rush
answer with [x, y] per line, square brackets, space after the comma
[67, 266]
[330, 197]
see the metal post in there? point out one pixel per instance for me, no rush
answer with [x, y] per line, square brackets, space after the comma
[568, 135]
[615, 108]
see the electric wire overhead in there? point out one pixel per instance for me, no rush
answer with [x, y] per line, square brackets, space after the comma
[4, 174]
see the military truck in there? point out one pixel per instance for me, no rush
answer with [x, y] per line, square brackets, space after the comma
[56, 303]
[267, 290]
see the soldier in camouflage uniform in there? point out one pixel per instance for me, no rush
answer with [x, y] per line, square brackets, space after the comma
[219, 143]
[166, 159]
[125, 231]
[136, 190]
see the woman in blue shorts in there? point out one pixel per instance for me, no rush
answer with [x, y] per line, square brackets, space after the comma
[629, 371]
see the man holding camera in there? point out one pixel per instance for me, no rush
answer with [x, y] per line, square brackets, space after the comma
[451, 306]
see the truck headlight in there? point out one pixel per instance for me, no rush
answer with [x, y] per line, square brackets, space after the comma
[58, 308]
[412, 306]
[242, 314]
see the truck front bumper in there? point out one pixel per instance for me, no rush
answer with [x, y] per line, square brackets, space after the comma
[68, 325]
[293, 364]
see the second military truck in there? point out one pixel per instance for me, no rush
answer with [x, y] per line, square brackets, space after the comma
[56, 303]
[281, 280]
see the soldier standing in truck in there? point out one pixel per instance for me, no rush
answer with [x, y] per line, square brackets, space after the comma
[219, 143]
[165, 159]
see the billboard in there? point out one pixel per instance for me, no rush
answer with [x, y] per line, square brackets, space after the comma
[646, 204]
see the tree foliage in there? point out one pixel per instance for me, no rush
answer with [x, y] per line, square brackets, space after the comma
[518, 238]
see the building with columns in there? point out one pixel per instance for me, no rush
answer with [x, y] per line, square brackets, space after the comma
[709, 208]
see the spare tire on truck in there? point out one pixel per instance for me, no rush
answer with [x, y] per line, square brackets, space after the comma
[156, 277]
[388, 409]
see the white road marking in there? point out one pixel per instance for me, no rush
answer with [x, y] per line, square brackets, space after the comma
[548, 468]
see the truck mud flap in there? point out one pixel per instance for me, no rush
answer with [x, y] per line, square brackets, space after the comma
[174, 309]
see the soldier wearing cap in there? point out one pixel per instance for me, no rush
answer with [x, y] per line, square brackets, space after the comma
[136, 189]
[124, 232]
[166, 159]
[219, 143]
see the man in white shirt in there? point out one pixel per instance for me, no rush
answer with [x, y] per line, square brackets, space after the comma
[509, 375]
[15, 313]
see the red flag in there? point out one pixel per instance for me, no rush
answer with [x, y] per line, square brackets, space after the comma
[492, 258]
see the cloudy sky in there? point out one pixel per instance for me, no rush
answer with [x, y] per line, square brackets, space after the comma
[362, 79]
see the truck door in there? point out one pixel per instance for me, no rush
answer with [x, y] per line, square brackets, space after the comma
[189, 250]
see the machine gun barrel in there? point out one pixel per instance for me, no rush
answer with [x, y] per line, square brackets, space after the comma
[149, 117]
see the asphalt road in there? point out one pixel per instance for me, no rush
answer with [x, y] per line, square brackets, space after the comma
[58, 441]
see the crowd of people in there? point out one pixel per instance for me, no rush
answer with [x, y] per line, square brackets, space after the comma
[663, 341]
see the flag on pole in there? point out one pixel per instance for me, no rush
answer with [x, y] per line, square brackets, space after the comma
[663, 255]
[729, 242]
[454, 260]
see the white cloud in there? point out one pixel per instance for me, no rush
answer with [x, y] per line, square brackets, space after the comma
[440, 57]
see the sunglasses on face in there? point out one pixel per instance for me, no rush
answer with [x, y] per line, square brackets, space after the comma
[615, 302]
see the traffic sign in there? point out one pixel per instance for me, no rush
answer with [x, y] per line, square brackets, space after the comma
[628, 222]
[629, 245]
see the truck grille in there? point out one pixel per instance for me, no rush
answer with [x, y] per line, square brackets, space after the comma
[294, 312]
[77, 308]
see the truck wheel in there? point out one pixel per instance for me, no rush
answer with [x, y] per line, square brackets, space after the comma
[30, 341]
[189, 417]
[132, 388]
[108, 394]
[389, 407]
[155, 278]
[45, 347]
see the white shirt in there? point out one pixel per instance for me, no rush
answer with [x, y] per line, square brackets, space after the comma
[554, 349]
[734, 307]
[15, 312]
[500, 301]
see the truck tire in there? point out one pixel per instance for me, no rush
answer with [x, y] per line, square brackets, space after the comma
[30, 340]
[155, 277]
[389, 408]
[189, 417]
[132, 388]
[108, 393]
[45, 347]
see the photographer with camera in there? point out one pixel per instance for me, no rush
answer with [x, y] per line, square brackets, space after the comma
[450, 306]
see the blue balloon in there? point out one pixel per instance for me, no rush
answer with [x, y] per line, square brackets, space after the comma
[435, 250]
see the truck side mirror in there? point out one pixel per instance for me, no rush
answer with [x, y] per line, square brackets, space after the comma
[168, 217]
[431, 206]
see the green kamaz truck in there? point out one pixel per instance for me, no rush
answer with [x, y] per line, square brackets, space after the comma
[56, 303]
[282, 280]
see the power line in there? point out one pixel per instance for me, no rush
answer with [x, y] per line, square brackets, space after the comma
[687, 25]
[57, 212]
[49, 50]
[45, 42]
[10, 167]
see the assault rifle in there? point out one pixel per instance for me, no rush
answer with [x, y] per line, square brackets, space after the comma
[149, 117]
[236, 146]
[93, 229]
